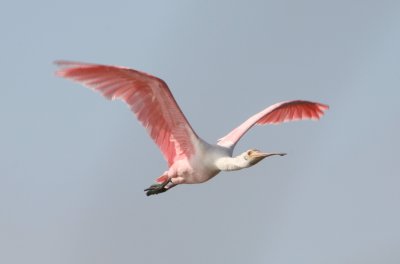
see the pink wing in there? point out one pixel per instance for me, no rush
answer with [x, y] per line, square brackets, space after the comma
[276, 114]
[147, 96]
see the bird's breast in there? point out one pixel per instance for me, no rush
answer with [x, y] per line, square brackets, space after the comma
[199, 168]
[192, 171]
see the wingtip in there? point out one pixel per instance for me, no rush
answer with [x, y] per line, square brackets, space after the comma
[323, 107]
[58, 62]
[68, 63]
[64, 62]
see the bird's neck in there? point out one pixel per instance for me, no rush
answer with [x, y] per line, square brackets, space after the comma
[231, 163]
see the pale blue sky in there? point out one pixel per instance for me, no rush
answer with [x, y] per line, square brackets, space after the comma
[73, 165]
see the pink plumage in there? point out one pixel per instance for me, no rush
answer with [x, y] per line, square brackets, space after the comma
[276, 114]
[147, 96]
[190, 159]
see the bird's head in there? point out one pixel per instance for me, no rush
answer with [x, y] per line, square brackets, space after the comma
[253, 156]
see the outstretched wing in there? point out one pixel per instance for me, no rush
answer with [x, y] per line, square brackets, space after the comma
[276, 114]
[147, 96]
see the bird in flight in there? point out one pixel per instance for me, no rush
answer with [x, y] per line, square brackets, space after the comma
[190, 159]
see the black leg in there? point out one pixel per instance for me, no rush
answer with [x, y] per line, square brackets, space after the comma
[158, 188]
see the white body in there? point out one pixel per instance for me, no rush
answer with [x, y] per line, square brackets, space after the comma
[208, 162]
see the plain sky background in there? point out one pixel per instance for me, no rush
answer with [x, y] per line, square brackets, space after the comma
[73, 165]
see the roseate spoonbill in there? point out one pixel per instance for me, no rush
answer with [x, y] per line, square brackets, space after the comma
[190, 159]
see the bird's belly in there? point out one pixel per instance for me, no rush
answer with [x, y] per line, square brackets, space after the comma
[188, 172]
[199, 177]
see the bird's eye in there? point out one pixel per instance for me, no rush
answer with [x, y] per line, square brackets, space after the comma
[249, 152]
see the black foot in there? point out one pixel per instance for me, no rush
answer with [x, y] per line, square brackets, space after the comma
[157, 188]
